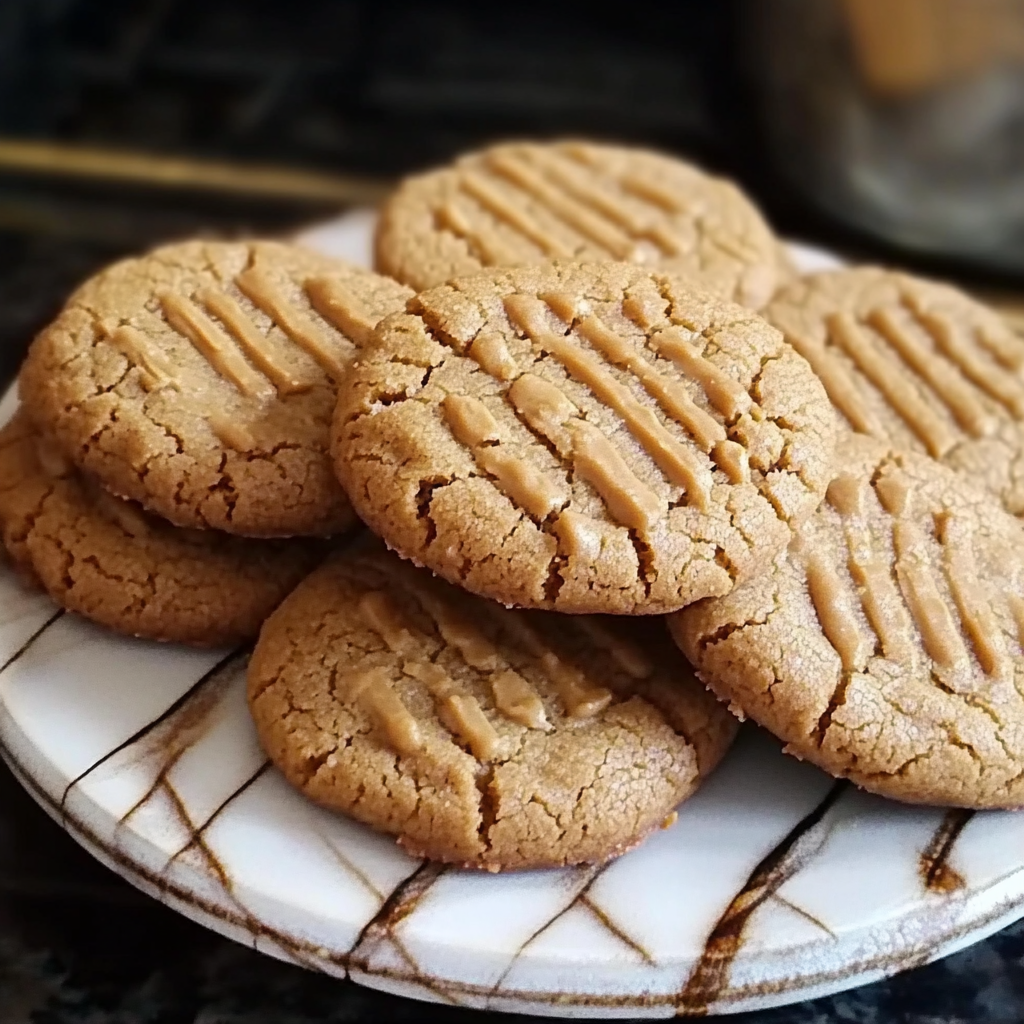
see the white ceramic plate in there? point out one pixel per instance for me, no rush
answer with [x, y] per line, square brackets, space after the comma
[775, 885]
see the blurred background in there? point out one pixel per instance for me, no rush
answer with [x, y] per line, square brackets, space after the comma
[889, 129]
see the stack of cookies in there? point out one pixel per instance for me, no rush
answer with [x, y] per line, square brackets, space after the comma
[586, 397]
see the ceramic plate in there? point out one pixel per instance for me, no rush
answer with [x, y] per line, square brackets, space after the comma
[776, 884]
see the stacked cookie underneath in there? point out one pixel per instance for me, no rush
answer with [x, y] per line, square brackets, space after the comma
[587, 408]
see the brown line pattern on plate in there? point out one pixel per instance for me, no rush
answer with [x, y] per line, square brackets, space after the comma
[602, 916]
[222, 806]
[889, 963]
[805, 914]
[710, 977]
[933, 864]
[356, 872]
[306, 953]
[23, 649]
[583, 877]
[215, 867]
[402, 902]
[171, 710]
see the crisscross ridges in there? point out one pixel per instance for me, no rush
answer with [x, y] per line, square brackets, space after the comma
[500, 659]
[910, 565]
[525, 203]
[266, 329]
[915, 363]
[478, 733]
[654, 442]
[888, 644]
[199, 380]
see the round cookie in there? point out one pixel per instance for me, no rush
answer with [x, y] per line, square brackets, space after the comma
[532, 202]
[886, 646]
[583, 437]
[106, 559]
[199, 380]
[478, 736]
[916, 364]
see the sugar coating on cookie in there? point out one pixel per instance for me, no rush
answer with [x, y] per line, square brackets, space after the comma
[886, 646]
[199, 380]
[477, 735]
[531, 202]
[585, 438]
[917, 364]
[108, 560]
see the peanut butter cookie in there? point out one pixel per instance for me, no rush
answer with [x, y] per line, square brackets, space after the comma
[108, 560]
[532, 202]
[886, 646]
[917, 364]
[479, 736]
[199, 380]
[585, 438]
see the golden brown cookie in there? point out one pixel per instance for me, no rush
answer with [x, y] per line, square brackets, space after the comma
[108, 560]
[917, 364]
[586, 438]
[531, 202]
[199, 380]
[479, 736]
[886, 646]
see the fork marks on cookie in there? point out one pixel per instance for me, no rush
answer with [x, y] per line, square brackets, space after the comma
[519, 203]
[238, 351]
[916, 581]
[938, 373]
[511, 697]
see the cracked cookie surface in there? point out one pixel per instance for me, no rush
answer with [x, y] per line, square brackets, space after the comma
[583, 437]
[108, 560]
[917, 364]
[199, 380]
[477, 735]
[529, 202]
[886, 646]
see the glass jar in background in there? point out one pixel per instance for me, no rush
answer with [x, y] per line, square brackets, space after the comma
[901, 117]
